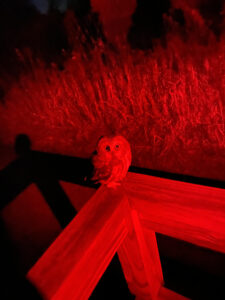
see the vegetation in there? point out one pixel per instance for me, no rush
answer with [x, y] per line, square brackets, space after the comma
[168, 102]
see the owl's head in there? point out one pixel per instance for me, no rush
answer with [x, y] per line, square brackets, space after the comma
[112, 149]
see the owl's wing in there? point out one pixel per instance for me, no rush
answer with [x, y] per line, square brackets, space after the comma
[101, 174]
[115, 177]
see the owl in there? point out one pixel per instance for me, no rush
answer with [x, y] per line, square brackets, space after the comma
[111, 160]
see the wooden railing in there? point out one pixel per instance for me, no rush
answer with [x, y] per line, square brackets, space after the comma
[125, 221]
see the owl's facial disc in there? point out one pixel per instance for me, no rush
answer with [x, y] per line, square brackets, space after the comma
[103, 152]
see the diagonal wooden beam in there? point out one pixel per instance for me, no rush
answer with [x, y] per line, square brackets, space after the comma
[74, 263]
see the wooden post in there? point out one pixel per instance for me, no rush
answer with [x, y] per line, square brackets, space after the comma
[140, 260]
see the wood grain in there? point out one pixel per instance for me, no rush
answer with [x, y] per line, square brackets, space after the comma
[74, 263]
[127, 221]
[186, 211]
[140, 260]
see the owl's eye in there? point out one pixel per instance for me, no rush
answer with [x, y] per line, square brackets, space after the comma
[107, 148]
[117, 147]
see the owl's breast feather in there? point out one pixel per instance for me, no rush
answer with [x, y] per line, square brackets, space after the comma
[101, 160]
[102, 173]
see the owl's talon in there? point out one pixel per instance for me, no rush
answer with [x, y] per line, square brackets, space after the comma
[110, 184]
[113, 184]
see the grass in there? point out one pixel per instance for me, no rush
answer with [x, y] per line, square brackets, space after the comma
[169, 103]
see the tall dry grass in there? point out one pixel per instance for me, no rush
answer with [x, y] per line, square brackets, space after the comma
[169, 103]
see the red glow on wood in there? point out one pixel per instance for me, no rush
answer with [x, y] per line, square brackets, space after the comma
[126, 221]
[91, 238]
[190, 212]
[150, 257]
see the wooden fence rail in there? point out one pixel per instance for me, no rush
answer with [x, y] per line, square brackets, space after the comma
[125, 221]
[190, 212]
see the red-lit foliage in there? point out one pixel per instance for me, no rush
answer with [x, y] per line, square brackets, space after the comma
[169, 103]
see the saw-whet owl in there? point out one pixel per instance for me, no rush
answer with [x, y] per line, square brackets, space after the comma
[111, 160]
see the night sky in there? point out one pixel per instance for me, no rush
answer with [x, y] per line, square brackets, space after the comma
[44, 5]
